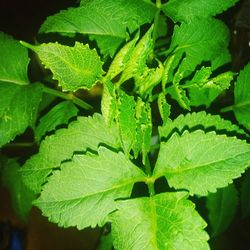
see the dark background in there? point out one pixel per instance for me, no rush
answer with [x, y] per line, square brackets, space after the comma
[22, 20]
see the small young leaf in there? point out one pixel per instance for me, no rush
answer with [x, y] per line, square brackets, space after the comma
[138, 58]
[180, 95]
[110, 21]
[150, 78]
[188, 10]
[245, 195]
[109, 102]
[242, 97]
[202, 120]
[143, 128]
[58, 115]
[74, 67]
[21, 196]
[164, 108]
[164, 221]
[87, 187]
[205, 92]
[14, 61]
[121, 59]
[168, 67]
[201, 162]
[222, 207]
[18, 109]
[126, 120]
[85, 133]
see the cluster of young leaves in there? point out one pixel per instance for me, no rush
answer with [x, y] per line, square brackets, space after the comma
[84, 174]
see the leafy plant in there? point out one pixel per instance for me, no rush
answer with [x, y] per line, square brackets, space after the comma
[158, 87]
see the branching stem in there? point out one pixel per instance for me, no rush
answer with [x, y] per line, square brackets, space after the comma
[67, 96]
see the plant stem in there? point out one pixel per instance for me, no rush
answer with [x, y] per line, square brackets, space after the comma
[227, 109]
[156, 19]
[21, 144]
[67, 96]
[151, 188]
[150, 184]
[158, 4]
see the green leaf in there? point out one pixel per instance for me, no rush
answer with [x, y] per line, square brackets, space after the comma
[107, 24]
[241, 106]
[188, 10]
[245, 195]
[149, 79]
[200, 120]
[85, 133]
[203, 91]
[74, 67]
[164, 221]
[131, 61]
[201, 162]
[126, 120]
[122, 58]
[222, 207]
[136, 64]
[194, 41]
[109, 102]
[87, 187]
[164, 108]
[21, 196]
[58, 115]
[18, 109]
[143, 129]
[14, 61]
[168, 68]
[180, 95]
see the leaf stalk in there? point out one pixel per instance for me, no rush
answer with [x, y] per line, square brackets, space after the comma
[67, 96]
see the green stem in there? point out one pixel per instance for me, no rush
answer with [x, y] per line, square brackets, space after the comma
[151, 188]
[232, 107]
[158, 4]
[67, 96]
[227, 109]
[150, 184]
[21, 144]
[156, 19]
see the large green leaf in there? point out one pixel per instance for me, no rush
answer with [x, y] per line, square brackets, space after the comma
[242, 97]
[188, 10]
[87, 187]
[21, 196]
[164, 221]
[85, 133]
[222, 207]
[201, 162]
[199, 41]
[58, 115]
[18, 109]
[201, 120]
[14, 61]
[105, 21]
[74, 67]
